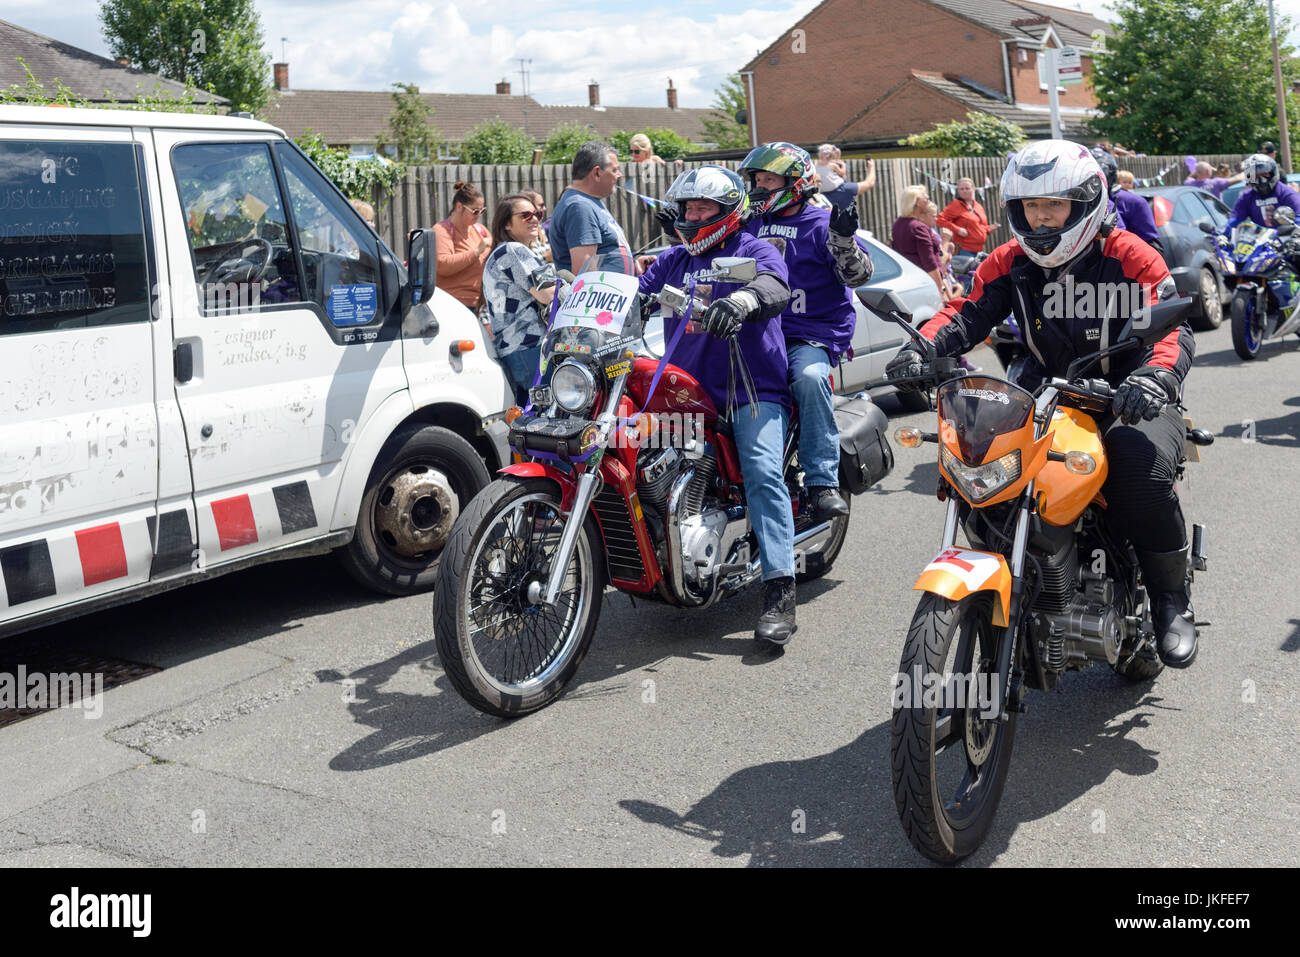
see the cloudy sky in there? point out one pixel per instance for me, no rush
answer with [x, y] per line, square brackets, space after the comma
[444, 46]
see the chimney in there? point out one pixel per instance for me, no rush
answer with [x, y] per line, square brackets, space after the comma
[281, 75]
[672, 95]
[124, 61]
[503, 88]
[593, 93]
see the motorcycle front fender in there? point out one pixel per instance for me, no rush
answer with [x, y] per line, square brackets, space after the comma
[568, 488]
[957, 572]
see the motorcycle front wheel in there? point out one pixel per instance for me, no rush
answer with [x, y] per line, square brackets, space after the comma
[949, 753]
[1247, 328]
[506, 652]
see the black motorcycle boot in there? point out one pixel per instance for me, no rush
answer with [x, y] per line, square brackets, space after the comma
[826, 502]
[777, 621]
[1169, 591]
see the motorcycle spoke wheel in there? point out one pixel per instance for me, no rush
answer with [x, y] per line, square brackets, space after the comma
[508, 652]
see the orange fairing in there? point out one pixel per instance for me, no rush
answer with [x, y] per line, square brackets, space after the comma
[1062, 494]
[958, 572]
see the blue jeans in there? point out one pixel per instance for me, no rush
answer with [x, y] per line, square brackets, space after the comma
[819, 438]
[759, 443]
[520, 367]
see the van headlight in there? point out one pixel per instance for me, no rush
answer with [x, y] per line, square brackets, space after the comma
[978, 482]
[573, 387]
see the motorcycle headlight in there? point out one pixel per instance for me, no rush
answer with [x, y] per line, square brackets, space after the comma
[978, 482]
[573, 387]
[1229, 265]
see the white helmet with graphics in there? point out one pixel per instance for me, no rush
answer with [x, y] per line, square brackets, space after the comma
[1055, 169]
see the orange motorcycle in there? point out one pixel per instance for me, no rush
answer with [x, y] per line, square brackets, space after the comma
[1048, 584]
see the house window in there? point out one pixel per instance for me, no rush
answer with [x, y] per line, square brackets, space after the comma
[1042, 72]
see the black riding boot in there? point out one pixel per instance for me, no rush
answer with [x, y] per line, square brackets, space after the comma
[777, 622]
[827, 502]
[1169, 590]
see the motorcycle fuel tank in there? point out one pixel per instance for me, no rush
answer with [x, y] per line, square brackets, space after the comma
[1063, 495]
[677, 391]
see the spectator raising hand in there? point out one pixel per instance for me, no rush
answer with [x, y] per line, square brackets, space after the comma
[463, 245]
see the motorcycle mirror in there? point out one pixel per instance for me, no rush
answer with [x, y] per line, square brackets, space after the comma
[1284, 214]
[1151, 324]
[882, 301]
[1206, 228]
[735, 269]
[1286, 229]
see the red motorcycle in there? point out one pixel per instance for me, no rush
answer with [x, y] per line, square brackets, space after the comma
[628, 477]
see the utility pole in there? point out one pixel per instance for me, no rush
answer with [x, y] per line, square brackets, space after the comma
[1281, 96]
[524, 73]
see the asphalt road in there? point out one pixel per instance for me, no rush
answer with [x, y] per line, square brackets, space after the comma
[680, 743]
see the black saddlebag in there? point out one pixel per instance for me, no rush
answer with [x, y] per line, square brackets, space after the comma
[865, 455]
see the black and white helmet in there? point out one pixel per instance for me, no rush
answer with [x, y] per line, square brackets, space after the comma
[718, 184]
[1261, 173]
[1055, 169]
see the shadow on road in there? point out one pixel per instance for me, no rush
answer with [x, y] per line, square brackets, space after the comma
[1292, 642]
[1225, 358]
[1074, 744]
[1281, 430]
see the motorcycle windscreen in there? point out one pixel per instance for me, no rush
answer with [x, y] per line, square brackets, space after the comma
[600, 314]
[975, 410]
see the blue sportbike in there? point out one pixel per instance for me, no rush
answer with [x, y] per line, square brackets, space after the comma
[1258, 266]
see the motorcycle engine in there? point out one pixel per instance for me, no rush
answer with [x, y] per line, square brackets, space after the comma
[1075, 619]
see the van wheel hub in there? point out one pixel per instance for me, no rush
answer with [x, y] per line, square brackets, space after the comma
[415, 511]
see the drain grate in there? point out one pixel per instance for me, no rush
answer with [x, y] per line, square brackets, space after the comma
[35, 679]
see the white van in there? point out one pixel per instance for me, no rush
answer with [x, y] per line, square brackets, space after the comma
[208, 360]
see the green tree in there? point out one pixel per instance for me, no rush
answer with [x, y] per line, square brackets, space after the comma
[1189, 76]
[981, 135]
[564, 140]
[496, 141]
[215, 45]
[410, 126]
[355, 178]
[721, 126]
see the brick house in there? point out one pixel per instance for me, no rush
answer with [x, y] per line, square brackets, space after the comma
[900, 66]
[356, 119]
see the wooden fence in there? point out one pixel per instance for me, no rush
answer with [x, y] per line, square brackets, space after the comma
[425, 195]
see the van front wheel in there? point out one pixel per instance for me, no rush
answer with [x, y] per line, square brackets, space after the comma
[422, 479]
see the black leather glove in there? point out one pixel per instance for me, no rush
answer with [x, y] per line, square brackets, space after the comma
[666, 216]
[723, 318]
[844, 222]
[908, 362]
[1144, 394]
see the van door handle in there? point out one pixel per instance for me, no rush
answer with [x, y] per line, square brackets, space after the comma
[183, 362]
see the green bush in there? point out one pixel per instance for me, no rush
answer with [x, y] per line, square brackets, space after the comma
[981, 135]
[564, 141]
[496, 141]
[355, 178]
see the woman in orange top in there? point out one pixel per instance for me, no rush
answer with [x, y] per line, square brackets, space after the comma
[967, 220]
[463, 246]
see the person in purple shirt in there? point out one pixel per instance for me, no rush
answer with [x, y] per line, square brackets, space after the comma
[1205, 179]
[1131, 210]
[824, 259]
[1266, 193]
[711, 203]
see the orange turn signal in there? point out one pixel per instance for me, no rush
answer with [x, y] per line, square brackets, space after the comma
[462, 345]
[1080, 463]
[908, 438]
[513, 413]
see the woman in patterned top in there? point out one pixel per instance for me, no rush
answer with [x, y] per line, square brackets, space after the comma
[516, 284]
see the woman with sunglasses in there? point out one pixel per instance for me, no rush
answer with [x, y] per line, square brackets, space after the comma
[516, 287]
[463, 245]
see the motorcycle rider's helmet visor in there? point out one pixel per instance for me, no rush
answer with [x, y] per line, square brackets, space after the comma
[772, 160]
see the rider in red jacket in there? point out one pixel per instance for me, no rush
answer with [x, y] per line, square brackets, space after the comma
[1072, 283]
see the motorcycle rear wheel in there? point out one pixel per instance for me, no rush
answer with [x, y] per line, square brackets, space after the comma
[1247, 333]
[505, 654]
[931, 747]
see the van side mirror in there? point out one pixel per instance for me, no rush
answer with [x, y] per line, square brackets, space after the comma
[421, 264]
[391, 273]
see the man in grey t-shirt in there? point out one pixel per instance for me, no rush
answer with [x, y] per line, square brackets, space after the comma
[581, 226]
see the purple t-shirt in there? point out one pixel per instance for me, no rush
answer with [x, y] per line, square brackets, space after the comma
[821, 307]
[706, 357]
[1135, 215]
[1215, 185]
[913, 240]
[1259, 209]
